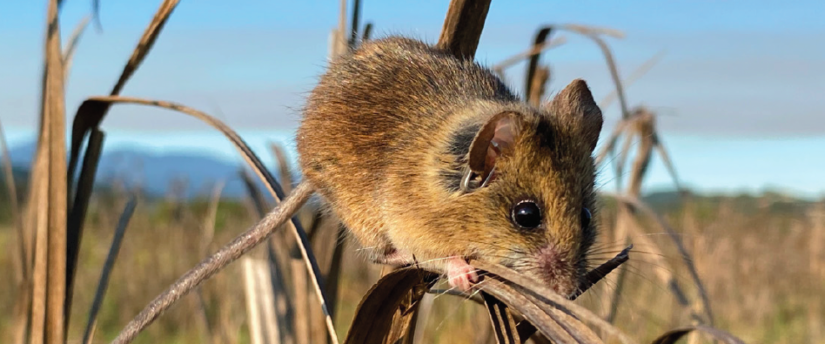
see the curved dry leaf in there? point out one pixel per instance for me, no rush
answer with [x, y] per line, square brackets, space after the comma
[92, 106]
[672, 336]
[81, 126]
[374, 314]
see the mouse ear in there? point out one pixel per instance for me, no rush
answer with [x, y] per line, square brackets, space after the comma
[495, 138]
[576, 105]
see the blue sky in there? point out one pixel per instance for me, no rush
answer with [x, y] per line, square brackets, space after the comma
[739, 89]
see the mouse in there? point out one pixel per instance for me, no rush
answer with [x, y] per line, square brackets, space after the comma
[430, 159]
[427, 158]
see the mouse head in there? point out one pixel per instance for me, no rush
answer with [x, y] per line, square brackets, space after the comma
[531, 174]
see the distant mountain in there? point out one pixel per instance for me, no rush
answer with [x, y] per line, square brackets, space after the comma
[156, 172]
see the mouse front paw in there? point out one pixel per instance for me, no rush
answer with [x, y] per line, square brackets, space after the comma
[460, 274]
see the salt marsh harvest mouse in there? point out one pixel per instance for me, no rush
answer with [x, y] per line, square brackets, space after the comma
[429, 158]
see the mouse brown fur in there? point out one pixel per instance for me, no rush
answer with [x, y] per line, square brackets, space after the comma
[393, 127]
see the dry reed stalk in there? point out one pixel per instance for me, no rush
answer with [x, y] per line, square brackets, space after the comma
[302, 316]
[54, 115]
[462, 27]
[271, 325]
[108, 265]
[206, 239]
[276, 283]
[538, 82]
[356, 14]
[252, 303]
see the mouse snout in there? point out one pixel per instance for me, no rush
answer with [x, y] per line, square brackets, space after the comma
[557, 269]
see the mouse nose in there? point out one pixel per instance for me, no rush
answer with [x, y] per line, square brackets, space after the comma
[556, 269]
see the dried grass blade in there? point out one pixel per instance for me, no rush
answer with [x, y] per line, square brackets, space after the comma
[462, 27]
[77, 214]
[533, 51]
[686, 257]
[108, 265]
[71, 47]
[672, 336]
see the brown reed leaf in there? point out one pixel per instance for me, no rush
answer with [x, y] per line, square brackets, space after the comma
[462, 27]
[108, 265]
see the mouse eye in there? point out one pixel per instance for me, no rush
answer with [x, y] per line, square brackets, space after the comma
[526, 214]
[586, 216]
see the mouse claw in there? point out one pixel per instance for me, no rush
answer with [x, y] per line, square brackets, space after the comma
[460, 274]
